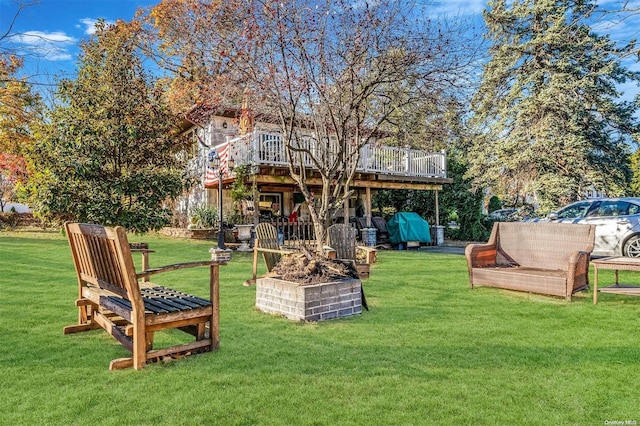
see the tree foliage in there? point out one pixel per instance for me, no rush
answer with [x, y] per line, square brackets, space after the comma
[551, 121]
[20, 109]
[13, 170]
[201, 44]
[108, 154]
[467, 203]
[19, 106]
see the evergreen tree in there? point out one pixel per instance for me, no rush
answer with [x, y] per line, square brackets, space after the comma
[550, 118]
[108, 153]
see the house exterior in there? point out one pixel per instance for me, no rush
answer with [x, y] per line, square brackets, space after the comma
[260, 146]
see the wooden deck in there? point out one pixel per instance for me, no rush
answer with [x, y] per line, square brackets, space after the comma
[268, 149]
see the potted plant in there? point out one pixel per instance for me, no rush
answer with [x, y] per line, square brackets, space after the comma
[241, 193]
[203, 222]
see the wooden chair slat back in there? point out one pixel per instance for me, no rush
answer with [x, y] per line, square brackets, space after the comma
[342, 238]
[102, 257]
[267, 237]
[380, 224]
[361, 223]
[297, 233]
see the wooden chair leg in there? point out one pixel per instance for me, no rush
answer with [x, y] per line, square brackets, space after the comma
[255, 265]
[214, 296]
[121, 363]
[201, 330]
[149, 341]
[85, 307]
[78, 328]
[145, 264]
[84, 314]
[139, 345]
[85, 323]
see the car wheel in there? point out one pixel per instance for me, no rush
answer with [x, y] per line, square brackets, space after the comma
[632, 247]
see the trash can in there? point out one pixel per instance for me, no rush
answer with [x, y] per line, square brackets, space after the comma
[368, 236]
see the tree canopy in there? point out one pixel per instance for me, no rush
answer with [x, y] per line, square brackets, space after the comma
[107, 153]
[551, 121]
[20, 108]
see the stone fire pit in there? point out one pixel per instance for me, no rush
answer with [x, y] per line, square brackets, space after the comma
[311, 302]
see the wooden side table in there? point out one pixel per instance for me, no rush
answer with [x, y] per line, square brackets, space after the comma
[617, 264]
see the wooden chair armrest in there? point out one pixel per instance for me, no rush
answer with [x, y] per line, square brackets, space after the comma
[369, 253]
[138, 250]
[280, 251]
[256, 250]
[174, 267]
[329, 252]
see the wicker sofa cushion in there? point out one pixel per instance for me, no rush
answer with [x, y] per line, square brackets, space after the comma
[543, 281]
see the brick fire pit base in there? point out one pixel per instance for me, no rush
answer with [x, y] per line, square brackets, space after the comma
[309, 302]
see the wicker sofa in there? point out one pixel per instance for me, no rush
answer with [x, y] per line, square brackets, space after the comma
[541, 257]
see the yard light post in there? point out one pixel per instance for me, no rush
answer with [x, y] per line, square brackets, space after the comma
[214, 163]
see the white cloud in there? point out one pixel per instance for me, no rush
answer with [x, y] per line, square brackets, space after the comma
[52, 46]
[90, 25]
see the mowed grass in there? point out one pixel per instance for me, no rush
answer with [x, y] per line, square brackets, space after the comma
[430, 351]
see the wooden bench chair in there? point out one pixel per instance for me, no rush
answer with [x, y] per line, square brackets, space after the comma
[267, 243]
[342, 239]
[110, 296]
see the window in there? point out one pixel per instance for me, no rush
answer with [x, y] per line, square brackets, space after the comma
[575, 210]
[616, 208]
[607, 208]
[270, 204]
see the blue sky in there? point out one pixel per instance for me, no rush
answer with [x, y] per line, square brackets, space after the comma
[49, 31]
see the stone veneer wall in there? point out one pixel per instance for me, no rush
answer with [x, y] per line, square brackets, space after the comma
[309, 302]
[196, 234]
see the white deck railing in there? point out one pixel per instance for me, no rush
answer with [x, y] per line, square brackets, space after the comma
[265, 148]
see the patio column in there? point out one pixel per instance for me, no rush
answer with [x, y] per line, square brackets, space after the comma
[256, 201]
[345, 207]
[437, 210]
[367, 207]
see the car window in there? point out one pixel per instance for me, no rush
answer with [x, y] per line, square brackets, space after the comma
[633, 209]
[623, 208]
[607, 208]
[575, 210]
[615, 208]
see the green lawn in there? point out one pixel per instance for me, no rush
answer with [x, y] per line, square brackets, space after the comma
[430, 351]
